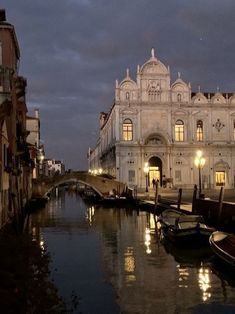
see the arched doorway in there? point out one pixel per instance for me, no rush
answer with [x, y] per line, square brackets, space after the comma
[155, 169]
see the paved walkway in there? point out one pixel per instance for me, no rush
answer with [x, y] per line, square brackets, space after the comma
[171, 195]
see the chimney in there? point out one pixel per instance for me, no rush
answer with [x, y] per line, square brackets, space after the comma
[2, 15]
[36, 113]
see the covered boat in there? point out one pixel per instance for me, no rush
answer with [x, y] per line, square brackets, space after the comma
[223, 245]
[185, 228]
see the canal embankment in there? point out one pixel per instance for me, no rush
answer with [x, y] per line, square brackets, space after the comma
[216, 206]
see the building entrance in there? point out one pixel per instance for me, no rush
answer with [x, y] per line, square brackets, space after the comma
[220, 178]
[155, 170]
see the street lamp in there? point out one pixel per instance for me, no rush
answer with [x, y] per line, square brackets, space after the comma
[199, 162]
[146, 171]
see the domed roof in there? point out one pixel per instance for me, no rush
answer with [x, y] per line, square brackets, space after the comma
[179, 84]
[127, 82]
[154, 66]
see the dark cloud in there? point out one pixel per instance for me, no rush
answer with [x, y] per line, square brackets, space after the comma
[72, 51]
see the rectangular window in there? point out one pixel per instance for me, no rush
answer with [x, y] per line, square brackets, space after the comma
[127, 132]
[178, 175]
[220, 178]
[179, 133]
[131, 176]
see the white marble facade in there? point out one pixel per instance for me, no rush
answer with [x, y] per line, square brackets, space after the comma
[153, 120]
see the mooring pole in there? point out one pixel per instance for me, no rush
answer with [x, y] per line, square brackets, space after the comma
[179, 198]
[194, 199]
[221, 198]
[156, 197]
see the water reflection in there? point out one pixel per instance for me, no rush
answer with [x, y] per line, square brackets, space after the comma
[204, 282]
[90, 214]
[147, 240]
[129, 265]
[183, 277]
[117, 259]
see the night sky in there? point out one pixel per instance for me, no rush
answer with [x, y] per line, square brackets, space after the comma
[72, 51]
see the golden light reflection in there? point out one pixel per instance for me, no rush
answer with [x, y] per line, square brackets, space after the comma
[42, 245]
[152, 222]
[183, 277]
[158, 224]
[90, 214]
[147, 240]
[129, 265]
[204, 283]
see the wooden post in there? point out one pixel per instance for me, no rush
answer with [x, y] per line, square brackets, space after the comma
[156, 197]
[194, 209]
[221, 198]
[179, 198]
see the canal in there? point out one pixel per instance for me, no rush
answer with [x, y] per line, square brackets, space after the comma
[115, 261]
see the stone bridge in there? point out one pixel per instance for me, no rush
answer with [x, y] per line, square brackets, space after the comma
[99, 184]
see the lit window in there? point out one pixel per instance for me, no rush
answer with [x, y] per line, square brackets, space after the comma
[127, 130]
[199, 131]
[220, 178]
[179, 131]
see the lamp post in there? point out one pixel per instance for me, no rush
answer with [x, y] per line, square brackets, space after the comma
[199, 162]
[146, 171]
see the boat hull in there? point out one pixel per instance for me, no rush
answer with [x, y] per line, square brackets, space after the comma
[185, 229]
[192, 236]
[223, 245]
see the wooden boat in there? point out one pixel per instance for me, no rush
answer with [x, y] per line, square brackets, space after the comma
[185, 228]
[223, 245]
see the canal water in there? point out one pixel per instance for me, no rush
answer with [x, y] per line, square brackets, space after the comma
[115, 261]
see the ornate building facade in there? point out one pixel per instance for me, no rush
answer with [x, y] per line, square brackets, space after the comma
[161, 124]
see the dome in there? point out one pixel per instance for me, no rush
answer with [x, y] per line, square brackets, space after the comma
[154, 66]
[179, 85]
[127, 82]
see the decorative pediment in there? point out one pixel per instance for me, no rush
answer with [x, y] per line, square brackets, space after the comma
[218, 98]
[221, 165]
[155, 139]
[199, 98]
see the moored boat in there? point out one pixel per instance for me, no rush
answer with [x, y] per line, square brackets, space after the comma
[184, 228]
[223, 245]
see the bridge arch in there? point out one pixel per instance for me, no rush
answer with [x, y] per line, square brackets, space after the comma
[43, 185]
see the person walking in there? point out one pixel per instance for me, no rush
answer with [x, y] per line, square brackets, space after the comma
[153, 182]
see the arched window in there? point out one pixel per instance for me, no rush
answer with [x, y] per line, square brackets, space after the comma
[178, 97]
[199, 131]
[152, 94]
[127, 130]
[127, 95]
[179, 131]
